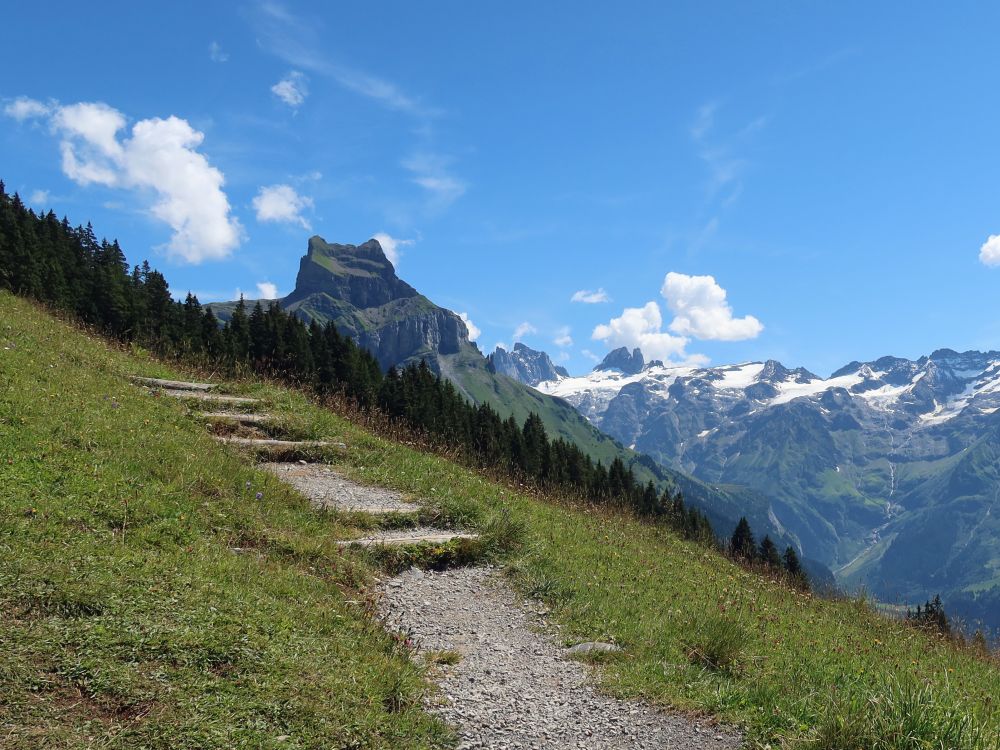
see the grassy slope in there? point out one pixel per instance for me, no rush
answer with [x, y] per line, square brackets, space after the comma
[286, 629]
[125, 618]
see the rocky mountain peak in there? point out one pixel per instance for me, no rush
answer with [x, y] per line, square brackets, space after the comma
[360, 275]
[620, 359]
[525, 364]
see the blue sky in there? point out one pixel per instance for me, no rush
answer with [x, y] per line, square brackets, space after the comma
[833, 166]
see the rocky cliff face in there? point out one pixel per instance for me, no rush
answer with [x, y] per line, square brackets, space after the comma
[359, 275]
[621, 360]
[529, 366]
[356, 287]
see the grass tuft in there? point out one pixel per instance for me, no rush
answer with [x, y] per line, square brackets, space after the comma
[900, 716]
[716, 642]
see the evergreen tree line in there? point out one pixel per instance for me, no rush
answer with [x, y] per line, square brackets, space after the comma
[931, 617]
[66, 267]
[744, 548]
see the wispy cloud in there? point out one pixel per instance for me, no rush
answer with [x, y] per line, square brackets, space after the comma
[297, 42]
[24, 108]
[217, 54]
[563, 338]
[39, 198]
[817, 66]
[433, 173]
[704, 120]
[523, 330]
[589, 297]
[722, 153]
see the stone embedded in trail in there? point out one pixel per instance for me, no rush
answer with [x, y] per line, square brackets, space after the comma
[407, 537]
[325, 488]
[214, 398]
[271, 443]
[593, 647]
[227, 416]
[514, 686]
[175, 385]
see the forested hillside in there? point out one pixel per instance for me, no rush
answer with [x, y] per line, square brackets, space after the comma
[69, 268]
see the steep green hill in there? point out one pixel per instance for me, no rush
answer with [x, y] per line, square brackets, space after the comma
[149, 598]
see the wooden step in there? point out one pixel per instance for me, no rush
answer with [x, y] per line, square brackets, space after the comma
[404, 538]
[174, 385]
[227, 416]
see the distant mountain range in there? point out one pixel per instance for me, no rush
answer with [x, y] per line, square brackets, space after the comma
[887, 471]
[356, 288]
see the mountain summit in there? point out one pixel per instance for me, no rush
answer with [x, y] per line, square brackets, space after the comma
[620, 359]
[529, 366]
[357, 287]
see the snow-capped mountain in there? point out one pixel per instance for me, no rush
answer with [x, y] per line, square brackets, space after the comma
[863, 467]
[930, 390]
[526, 364]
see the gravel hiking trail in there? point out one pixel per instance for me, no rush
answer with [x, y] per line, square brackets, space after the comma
[513, 686]
[504, 681]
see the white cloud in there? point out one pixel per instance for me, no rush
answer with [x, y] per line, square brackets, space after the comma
[563, 339]
[432, 173]
[291, 89]
[474, 331]
[24, 108]
[39, 198]
[989, 253]
[267, 290]
[280, 203]
[161, 157]
[590, 355]
[590, 298]
[501, 345]
[701, 311]
[523, 330]
[391, 247]
[216, 53]
[641, 327]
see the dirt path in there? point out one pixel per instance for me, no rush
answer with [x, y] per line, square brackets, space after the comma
[513, 686]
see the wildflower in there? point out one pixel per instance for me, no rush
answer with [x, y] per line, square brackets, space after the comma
[259, 495]
[248, 484]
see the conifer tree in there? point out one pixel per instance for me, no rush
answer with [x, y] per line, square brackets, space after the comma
[768, 553]
[742, 543]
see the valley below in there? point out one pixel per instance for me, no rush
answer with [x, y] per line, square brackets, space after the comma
[886, 471]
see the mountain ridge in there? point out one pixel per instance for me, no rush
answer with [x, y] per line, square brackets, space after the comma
[860, 466]
[356, 288]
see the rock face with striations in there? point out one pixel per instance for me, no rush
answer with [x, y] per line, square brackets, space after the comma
[356, 287]
[621, 360]
[529, 366]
